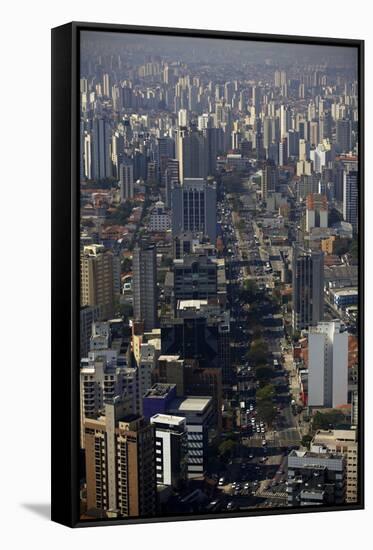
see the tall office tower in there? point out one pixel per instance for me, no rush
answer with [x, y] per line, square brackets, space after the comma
[316, 479]
[308, 287]
[183, 118]
[316, 211]
[204, 121]
[303, 129]
[285, 120]
[327, 365]
[342, 442]
[322, 156]
[325, 125]
[106, 84]
[215, 143]
[195, 278]
[101, 150]
[171, 445]
[277, 78]
[194, 208]
[192, 154]
[87, 155]
[126, 180]
[88, 315]
[283, 152]
[170, 179]
[117, 150]
[120, 463]
[343, 135]
[293, 143]
[145, 307]
[256, 99]
[304, 150]
[351, 198]
[97, 279]
[267, 132]
[127, 98]
[198, 413]
[166, 151]
[269, 179]
[229, 89]
[314, 133]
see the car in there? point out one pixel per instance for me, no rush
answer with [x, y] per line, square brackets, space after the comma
[230, 505]
[264, 442]
[251, 456]
[221, 481]
[262, 430]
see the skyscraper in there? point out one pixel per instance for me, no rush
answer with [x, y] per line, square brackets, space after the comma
[101, 150]
[97, 279]
[194, 208]
[343, 135]
[327, 365]
[171, 443]
[308, 287]
[126, 180]
[192, 153]
[145, 285]
[351, 198]
[269, 178]
[120, 463]
[316, 211]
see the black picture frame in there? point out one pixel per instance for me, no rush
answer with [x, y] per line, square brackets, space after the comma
[65, 267]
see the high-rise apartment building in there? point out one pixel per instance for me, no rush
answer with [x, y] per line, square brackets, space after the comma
[316, 211]
[308, 287]
[101, 167]
[97, 279]
[126, 180]
[120, 463]
[145, 285]
[327, 365]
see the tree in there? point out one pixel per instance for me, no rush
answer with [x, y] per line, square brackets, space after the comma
[258, 353]
[306, 440]
[327, 420]
[227, 448]
[263, 373]
[265, 393]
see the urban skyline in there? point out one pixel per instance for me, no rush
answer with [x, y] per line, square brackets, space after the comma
[219, 344]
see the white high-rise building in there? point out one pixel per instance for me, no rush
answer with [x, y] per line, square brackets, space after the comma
[183, 118]
[327, 365]
[171, 447]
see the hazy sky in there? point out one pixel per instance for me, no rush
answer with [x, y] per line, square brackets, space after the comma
[207, 50]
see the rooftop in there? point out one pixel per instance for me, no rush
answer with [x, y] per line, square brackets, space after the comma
[190, 403]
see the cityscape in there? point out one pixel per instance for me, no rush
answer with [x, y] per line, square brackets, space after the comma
[219, 276]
